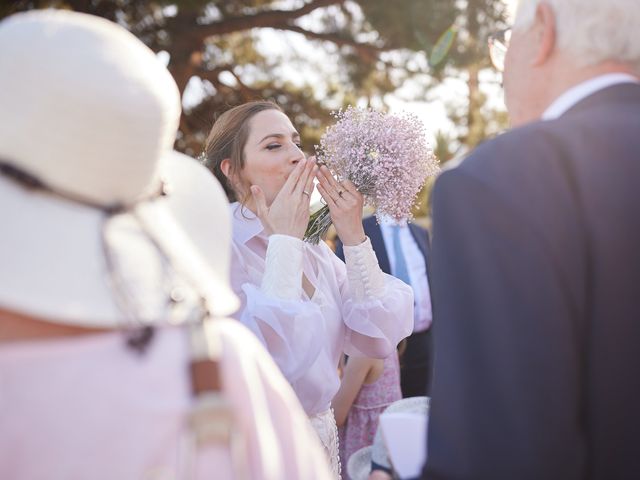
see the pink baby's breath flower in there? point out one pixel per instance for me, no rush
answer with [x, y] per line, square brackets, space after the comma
[386, 156]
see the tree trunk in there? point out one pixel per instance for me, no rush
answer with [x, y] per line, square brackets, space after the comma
[475, 124]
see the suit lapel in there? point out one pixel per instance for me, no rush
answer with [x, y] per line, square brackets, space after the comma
[372, 230]
[422, 239]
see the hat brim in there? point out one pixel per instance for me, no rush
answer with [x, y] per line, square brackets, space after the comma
[359, 464]
[54, 265]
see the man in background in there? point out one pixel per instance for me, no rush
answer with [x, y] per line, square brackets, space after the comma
[403, 251]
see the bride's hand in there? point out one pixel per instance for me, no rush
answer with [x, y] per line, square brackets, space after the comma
[345, 204]
[288, 214]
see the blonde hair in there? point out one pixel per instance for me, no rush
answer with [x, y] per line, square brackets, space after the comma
[593, 31]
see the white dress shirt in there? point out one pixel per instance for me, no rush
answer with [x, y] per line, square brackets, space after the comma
[360, 314]
[417, 271]
[581, 91]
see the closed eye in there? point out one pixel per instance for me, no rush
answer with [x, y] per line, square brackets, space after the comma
[275, 146]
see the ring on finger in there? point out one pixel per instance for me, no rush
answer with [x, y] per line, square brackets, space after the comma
[304, 192]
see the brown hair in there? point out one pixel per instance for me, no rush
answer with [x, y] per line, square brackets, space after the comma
[227, 139]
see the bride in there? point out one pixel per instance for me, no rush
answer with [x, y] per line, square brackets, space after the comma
[304, 304]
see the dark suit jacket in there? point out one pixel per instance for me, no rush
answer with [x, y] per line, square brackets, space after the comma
[372, 230]
[536, 288]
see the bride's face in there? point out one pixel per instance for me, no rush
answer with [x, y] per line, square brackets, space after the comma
[271, 152]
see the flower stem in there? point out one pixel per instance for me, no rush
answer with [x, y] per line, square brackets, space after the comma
[319, 223]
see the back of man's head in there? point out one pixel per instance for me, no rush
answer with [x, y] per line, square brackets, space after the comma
[593, 31]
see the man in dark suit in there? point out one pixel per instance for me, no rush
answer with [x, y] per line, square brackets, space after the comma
[536, 262]
[403, 251]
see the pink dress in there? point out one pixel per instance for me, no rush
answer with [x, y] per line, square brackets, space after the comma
[87, 407]
[362, 421]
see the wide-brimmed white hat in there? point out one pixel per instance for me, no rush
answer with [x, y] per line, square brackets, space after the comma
[90, 114]
[359, 463]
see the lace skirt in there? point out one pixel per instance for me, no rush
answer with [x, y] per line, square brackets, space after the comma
[325, 426]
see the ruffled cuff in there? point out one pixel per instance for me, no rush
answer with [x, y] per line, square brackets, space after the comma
[366, 280]
[283, 268]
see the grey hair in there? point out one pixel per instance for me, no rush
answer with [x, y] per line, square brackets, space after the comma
[593, 31]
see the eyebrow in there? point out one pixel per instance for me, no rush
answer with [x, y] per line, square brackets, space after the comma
[279, 135]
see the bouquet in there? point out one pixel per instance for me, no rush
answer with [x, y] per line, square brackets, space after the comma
[386, 156]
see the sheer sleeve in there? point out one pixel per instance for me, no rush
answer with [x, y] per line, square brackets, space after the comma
[377, 308]
[275, 311]
[278, 437]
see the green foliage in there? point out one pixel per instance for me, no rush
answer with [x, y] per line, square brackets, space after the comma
[412, 24]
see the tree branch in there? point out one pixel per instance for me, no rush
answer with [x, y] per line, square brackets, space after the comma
[263, 19]
[367, 50]
[246, 91]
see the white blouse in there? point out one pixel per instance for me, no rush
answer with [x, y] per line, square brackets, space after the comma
[355, 309]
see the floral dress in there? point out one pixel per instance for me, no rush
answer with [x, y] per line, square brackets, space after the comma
[362, 420]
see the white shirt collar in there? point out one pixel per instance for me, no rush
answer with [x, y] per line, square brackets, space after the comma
[581, 91]
[246, 224]
[386, 220]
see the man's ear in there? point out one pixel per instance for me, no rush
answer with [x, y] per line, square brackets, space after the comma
[545, 26]
[225, 166]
